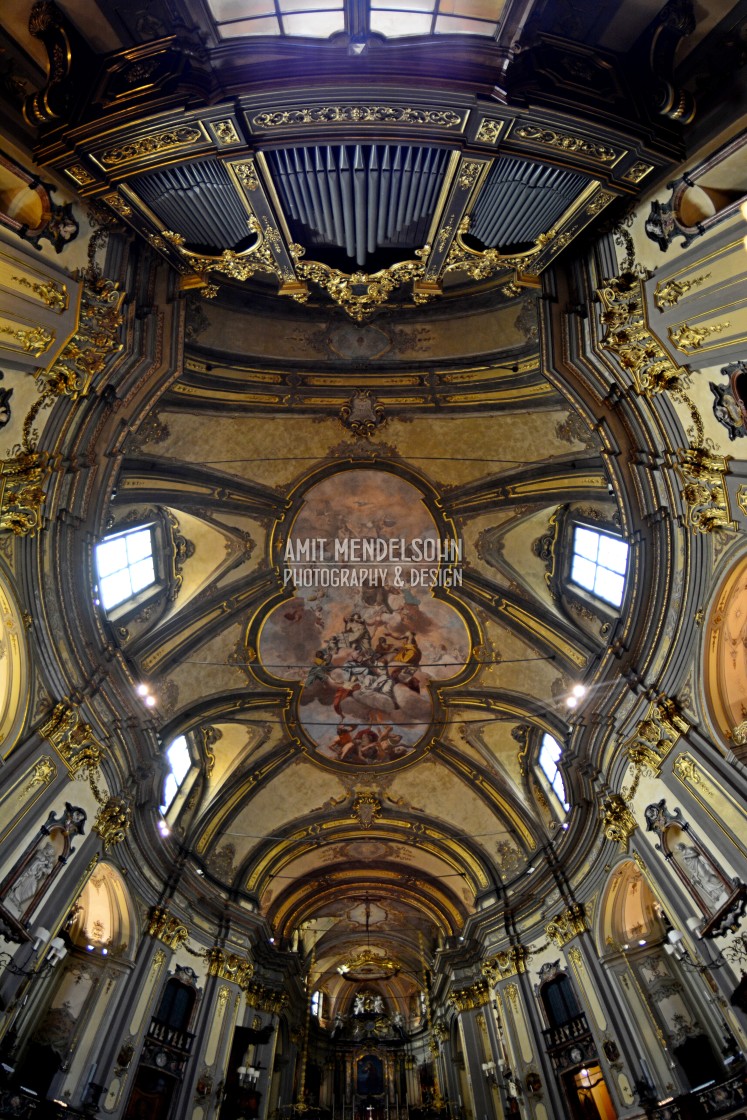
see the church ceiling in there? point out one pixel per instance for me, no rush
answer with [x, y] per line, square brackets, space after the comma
[365, 390]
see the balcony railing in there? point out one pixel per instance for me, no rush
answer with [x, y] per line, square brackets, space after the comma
[170, 1036]
[574, 1029]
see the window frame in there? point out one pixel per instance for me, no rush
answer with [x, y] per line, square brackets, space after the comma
[138, 597]
[169, 812]
[169, 549]
[563, 805]
[601, 530]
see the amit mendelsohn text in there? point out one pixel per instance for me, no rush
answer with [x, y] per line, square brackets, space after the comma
[330, 559]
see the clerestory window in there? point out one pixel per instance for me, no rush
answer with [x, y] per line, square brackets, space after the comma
[550, 755]
[180, 764]
[599, 564]
[125, 566]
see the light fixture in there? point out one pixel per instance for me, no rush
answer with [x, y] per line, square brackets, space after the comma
[488, 1068]
[571, 702]
[163, 828]
[578, 690]
[248, 1075]
[142, 689]
[41, 936]
[150, 701]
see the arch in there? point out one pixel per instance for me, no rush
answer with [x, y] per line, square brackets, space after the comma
[103, 917]
[725, 657]
[15, 685]
[630, 912]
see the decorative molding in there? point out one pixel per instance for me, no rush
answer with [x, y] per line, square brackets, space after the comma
[688, 772]
[489, 131]
[43, 773]
[225, 132]
[704, 490]
[229, 966]
[567, 925]
[656, 735]
[80, 175]
[628, 338]
[155, 143]
[73, 740]
[168, 929]
[638, 171]
[688, 339]
[668, 293]
[51, 293]
[118, 204]
[619, 823]
[246, 173]
[467, 999]
[566, 142]
[366, 809]
[32, 340]
[509, 962]
[358, 114]
[481, 265]
[362, 414]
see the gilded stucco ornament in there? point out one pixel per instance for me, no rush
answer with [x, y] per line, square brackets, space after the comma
[362, 414]
[50, 292]
[509, 962]
[466, 999]
[688, 338]
[113, 821]
[32, 340]
[166, 928]
[567, 925]
[479, 265]
[73, 740]
[95, 339]
[366, 809]
[619, 823]
[627, 336]
[668, 293]
[704, 490]
[156, 143]
[656, 735]
[229, 966]
[21, 493]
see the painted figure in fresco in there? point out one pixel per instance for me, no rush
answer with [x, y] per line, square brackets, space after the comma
[702, 875]
[27, 884]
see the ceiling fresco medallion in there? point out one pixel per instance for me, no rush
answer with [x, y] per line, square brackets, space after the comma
[369, 629]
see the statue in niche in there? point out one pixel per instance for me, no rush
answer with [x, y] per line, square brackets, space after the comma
[702, 875]
[25, 885]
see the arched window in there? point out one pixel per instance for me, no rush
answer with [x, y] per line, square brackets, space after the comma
[179, 766]
[550, 755]
[559, 1000]
[175, 1008]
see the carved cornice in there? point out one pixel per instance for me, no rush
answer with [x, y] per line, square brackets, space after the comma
[619, 822]
[564, 927]
[627, 336]
[167, 928]
[73, 740]
[229, 966]
[656, 735]
[507, 963]
[467, 999]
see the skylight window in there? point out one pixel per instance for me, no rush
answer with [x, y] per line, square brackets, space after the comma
[124, 566]
[180, 764]
[549, 756]
[320, 19]
[599, 564]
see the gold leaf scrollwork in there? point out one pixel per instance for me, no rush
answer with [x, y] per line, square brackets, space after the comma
[509, 962]
[688, 339]
[668, 293]
[466, 999]
[619, 823]
[118, 204]
[565, 926]
[21, 493]
[247, 175]
[366, 808]
[94, 340]
[156, 143]
[638, 172]
[362, 414]
[489, 131]
[51, 293]
[479, 265]
[551, 138]
[358, 114]
[265, 999]
[225, 132]
[113, 821]
[73, 740]
[704, 490]
[166, 928]
[43, 773]
[229, 966]
[33, 340]
[656, 735]
[628, 337]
